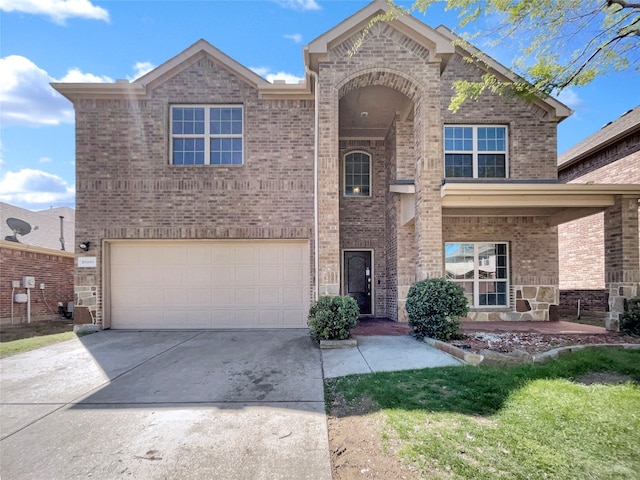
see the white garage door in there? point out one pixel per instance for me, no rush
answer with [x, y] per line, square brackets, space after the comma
[206, 284]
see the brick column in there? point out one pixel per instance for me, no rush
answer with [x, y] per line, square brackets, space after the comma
[328, 187]
[622, 257]
[429, 170]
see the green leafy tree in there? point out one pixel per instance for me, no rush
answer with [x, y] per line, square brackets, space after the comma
[557, 43]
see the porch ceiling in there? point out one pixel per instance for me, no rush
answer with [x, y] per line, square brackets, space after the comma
[561, 203]
[368, 112]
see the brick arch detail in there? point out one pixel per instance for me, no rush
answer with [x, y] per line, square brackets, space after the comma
[380, 76]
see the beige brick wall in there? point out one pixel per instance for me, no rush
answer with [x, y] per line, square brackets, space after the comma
[126, 187]
[581, 242]
[532, 133]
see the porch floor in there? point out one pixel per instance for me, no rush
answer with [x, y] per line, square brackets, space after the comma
[383, 326]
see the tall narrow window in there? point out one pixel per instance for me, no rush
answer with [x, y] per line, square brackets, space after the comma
[481, 269]
[207, 135]
[357, 174]
[475, 151]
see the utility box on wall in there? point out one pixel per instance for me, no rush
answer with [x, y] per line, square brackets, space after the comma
[28, 282]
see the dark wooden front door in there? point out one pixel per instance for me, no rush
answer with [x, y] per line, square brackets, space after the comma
[357, 279]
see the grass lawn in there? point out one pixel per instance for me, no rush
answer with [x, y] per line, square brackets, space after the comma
[517, 422]
[21, 338]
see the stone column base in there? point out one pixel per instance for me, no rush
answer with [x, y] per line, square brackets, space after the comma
[618, 291]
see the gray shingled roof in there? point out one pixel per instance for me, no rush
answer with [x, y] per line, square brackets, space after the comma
[612, 131]
[47, 234]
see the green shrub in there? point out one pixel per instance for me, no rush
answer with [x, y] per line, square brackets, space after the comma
[630, 320]
[434, 306]
[332, 318]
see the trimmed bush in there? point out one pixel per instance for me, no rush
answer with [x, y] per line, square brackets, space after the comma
[332, 318]
[434, 306]
[630, 319]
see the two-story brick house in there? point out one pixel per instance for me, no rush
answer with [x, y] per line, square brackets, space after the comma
[215, 199]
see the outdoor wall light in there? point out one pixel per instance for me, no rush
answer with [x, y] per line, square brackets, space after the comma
[85, 246]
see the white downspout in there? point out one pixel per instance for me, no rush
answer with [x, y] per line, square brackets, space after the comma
[316, 238]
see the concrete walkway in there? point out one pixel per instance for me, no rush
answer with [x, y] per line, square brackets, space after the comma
[383, 354]
[171, 404]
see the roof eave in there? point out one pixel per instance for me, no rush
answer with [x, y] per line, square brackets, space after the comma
[77, 91]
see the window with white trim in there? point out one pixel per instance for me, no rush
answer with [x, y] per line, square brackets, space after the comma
[482, 269]
[207, 135]
[475, 151]
[357, 174]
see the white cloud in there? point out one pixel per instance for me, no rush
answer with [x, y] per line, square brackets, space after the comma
[270, 77]
[28, 99]
[140, 69]
[75, 75]
[29, 188]
[58, 10]
[45, 160]
[296, 37]
[299, 4]
[571, 99]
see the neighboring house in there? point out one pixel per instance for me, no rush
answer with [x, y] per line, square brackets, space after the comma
[215, 199]
[611, 155]
[31, 245]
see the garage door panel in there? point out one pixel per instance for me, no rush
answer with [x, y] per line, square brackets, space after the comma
[271, 254]
[293, 275]
[223, 275]
[270, 275]
[208, 284]
[246, 275]
[222, 297]
[246, 296]
[295, 256]
[148, 274]
[173, 255]
[294, 295]
[291, 317]
[199, 297]
[198, 318]
[199, 255]
[174, 297]
[270, 296]
[247, 255]
[173, 274]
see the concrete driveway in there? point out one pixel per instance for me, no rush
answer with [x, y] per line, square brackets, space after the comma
[172, 404]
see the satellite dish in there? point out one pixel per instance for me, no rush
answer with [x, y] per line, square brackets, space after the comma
[18, 227]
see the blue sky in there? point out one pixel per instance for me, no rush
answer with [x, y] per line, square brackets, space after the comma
[103, 40]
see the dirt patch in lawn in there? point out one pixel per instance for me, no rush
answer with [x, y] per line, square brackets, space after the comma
[604, 378]
[9, 333]
[356, 446]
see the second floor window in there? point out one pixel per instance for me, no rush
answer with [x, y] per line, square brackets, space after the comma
[472, 151]
[357, 174]
[206, 135]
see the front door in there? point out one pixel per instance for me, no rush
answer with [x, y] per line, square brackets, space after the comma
[357, 278]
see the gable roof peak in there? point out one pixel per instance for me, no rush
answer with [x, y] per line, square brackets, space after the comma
[407, 24]
[190, 55]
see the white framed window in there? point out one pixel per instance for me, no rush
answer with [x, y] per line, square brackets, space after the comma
[475, 151]
[207, 134]
[482, 269]
[357, 174]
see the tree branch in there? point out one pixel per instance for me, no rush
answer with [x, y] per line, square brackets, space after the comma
[623, 4]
